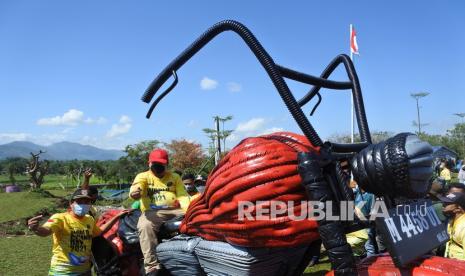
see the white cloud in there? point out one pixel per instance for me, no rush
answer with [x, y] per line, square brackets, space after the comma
[251, 128]
[99, 121]
[234, 86]
[11, 137]
[124, 125]
[72, 117]
[271, 130]
[208, 84]
[251, 125]
[125, 120]
[233, 138]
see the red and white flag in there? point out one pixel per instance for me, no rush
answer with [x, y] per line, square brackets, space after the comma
[353, 41]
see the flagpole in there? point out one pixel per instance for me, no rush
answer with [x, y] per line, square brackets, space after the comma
[351, 96]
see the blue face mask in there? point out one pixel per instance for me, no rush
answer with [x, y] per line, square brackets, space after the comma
[80, 209]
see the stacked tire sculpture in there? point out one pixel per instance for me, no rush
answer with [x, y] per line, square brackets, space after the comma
[261, 168]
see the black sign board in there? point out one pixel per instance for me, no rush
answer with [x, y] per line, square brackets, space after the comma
[411, 230]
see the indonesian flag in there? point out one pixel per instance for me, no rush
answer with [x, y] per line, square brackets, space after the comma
[353, 41]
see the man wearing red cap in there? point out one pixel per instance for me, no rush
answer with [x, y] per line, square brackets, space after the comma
[166, 191]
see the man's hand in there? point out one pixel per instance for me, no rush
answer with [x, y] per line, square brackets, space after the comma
[136, 194]
[33, 223]
[88, 173]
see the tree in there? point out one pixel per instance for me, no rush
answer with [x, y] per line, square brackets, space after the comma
[454, 139]
[376, 137]
[138, 154]
[217, 135]
[184, 154]
[13, 166]
[36, 170]
[457, 139]
[224, 133]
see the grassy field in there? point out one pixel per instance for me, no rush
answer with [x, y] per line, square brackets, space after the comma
[23, 204]
[25, 255]
[51, 181]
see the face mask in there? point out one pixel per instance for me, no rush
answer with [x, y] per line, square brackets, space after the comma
[157, 168]
[201, 189]
[80, 209]
[190, 188]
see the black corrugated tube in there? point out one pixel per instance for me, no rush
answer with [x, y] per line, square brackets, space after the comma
[259, 52]
[356, 93]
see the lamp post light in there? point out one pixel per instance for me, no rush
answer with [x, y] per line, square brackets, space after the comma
[417, 97]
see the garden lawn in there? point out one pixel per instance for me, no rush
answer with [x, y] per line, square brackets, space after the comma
[25, 255]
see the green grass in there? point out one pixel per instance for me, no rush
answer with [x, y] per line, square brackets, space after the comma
[51, 181]
[319, 269]
[25, 255]
[23, 204]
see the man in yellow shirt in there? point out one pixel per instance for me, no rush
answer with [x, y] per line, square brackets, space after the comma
[166, 191]
[189, 183]
[445, 172]
[72, 236]
[454, 209]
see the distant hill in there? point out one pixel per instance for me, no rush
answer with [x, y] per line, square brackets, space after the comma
[58, 151]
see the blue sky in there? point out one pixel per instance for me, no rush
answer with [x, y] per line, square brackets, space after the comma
[75, 70]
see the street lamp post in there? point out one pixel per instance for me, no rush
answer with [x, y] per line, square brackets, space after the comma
[417, 97]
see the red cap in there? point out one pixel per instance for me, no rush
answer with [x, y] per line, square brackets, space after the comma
[159, 156]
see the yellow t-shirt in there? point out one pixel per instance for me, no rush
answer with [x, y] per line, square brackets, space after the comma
[194, 196]
[150, 185]
[72, 240]
[445, 173]
[454, 247]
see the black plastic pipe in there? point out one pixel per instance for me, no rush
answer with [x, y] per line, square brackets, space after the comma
[262, 56]
[312, 80]
[356, 93]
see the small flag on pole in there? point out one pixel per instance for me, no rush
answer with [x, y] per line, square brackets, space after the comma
[353, 41]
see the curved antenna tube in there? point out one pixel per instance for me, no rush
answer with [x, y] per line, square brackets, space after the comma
[356, 93]
[162, 95]
[263, 57]
[276, 74]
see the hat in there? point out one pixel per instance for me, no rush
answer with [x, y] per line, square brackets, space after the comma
[188, 179]
[158, 156]
[199, 178]
[80, 193]
[457, 198]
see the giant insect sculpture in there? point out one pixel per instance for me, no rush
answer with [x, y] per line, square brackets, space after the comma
[398, 167]
[290, 167]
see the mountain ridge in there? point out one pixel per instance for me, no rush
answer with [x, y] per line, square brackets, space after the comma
[64, 150]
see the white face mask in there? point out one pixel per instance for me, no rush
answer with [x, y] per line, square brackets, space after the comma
[80, 209]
